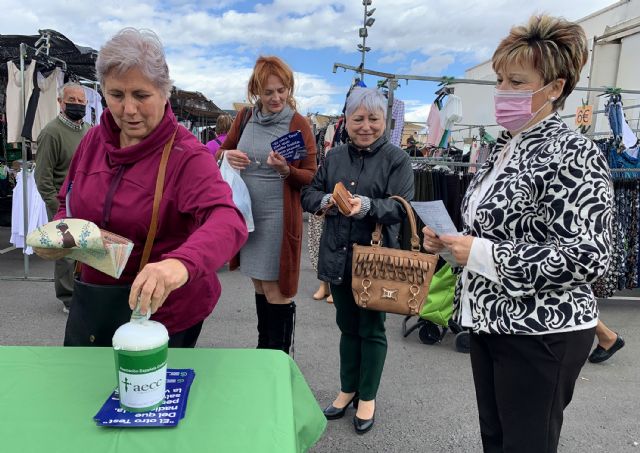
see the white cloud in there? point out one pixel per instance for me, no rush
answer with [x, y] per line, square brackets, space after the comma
[416, 111]
[392, 58]
[433, 65]
[224, 78]
[401, 25]
[207, 41]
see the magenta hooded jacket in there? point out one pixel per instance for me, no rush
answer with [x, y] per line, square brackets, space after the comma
[198, 223]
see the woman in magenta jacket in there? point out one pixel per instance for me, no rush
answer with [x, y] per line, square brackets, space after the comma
[112, 179]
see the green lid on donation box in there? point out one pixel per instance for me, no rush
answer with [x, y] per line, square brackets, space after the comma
[140, 348]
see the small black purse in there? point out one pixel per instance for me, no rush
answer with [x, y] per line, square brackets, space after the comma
[96, 313]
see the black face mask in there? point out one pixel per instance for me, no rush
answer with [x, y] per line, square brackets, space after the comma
[74, 112]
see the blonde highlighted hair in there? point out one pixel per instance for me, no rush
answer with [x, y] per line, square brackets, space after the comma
[223, 124]
[553, 46]
[265, 67]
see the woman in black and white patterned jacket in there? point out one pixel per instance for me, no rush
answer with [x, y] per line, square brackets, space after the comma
[537, 234]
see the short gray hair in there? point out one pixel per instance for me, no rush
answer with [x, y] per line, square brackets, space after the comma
[371, 99]
[132, 48]
[68, 85]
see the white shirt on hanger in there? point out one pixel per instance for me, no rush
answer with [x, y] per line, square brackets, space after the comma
[48, 107]
[94, 101]
[37, 211]
[451, 113]
[15, 107]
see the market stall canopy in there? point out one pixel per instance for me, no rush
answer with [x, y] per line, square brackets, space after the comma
[80, 60]
[237, 106]
[195, 107]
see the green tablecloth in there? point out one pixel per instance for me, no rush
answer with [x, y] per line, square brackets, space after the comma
[241, 401]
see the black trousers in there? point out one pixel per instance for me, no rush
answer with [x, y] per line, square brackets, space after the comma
[186, 338]
[523, 383]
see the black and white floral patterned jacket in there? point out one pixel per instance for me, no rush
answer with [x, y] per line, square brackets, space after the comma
[549, 217]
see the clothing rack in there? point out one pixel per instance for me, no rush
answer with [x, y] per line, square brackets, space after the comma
[606, 133]
[391, 83]
[453, 80]
[41, 53]
[448, 163]
[625, 170]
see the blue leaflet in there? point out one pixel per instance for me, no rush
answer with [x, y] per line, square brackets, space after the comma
[290, 146]
[168, 414]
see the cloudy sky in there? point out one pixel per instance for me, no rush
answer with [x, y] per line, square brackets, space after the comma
[211, 45]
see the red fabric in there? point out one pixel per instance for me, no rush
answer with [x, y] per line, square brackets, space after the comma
[198, 223]
[302, 172]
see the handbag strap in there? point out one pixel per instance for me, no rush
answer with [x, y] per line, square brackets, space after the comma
[157, 197]
[376, 236]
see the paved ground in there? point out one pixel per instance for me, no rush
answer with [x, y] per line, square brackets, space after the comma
[426, 401]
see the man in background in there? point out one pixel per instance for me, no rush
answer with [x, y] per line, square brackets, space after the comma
[412, 147]
[57, 143]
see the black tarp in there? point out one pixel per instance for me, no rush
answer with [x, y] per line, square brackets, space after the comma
[80, 60]
[187, 105]
[195, 107]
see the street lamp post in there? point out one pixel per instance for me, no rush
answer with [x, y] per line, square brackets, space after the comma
[363, 32]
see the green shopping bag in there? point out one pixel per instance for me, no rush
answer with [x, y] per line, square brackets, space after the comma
[439, 306]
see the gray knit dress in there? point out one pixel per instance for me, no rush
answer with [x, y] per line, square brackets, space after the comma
[260, 256]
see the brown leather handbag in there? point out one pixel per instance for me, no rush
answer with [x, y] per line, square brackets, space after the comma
[392, 280]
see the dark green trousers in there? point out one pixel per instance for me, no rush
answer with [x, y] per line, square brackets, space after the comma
[363, 344]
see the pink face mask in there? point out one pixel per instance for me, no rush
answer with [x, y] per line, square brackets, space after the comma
[513, 108]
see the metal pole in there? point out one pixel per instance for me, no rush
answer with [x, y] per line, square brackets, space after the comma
[454, 80]
[393, 83]
[25, 189]
[364, 41]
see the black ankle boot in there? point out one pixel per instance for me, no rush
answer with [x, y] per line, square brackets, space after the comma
[263, 321]
[281, 325]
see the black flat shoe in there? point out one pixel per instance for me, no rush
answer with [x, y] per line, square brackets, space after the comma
[334, 413]
[363, 426]
[601, 354]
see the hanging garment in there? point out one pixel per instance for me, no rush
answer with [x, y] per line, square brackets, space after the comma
[94, 106]
[37, 211]
[328, 137]
[32, 107]
[340, 136]
[433, 184]
[473, 156]
[483, 153]
[629, 139]
[434, 125]
[48, 106]
[397, 114]
[452, 112]
[613, 110]
[15, 111]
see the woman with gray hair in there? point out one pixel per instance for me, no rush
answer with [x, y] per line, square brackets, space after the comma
[372, 169]
[141, 175]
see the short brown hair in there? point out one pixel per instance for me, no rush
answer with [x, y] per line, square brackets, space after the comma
[265, 67]
[555, 47]
[223, 124]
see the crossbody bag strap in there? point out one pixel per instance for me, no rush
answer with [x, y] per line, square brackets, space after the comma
[157, 197]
